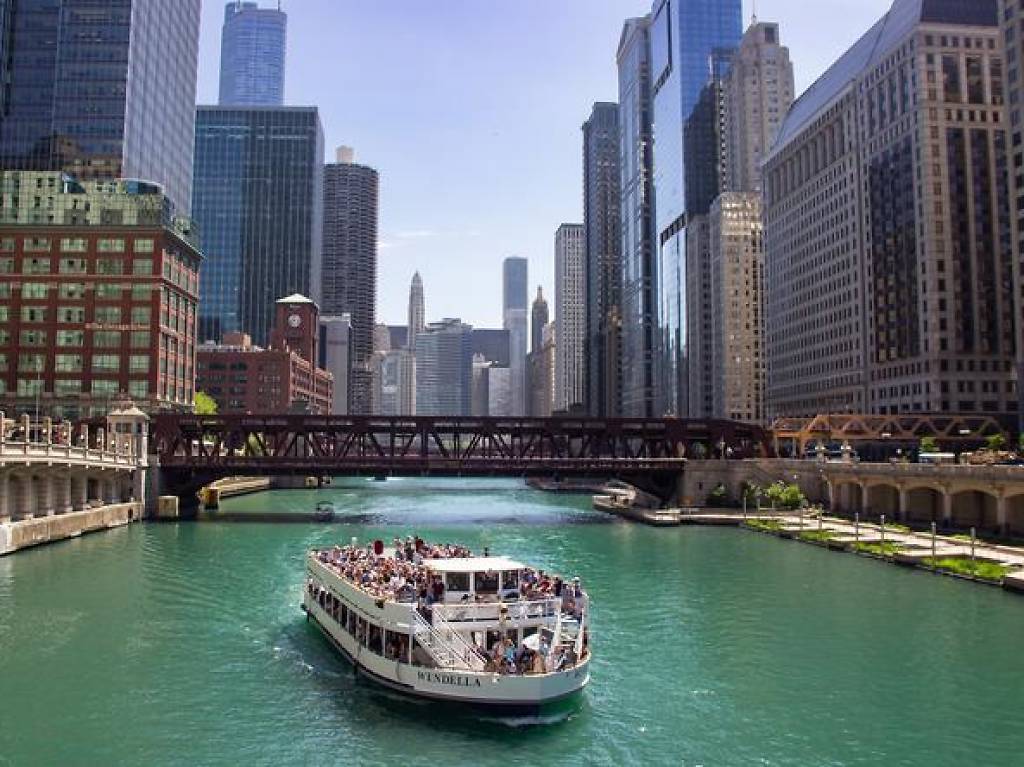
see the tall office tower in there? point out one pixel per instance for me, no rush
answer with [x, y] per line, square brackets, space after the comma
[514, 298]
[444, 369]
[259, 204]
[252, 52]
[687, 37]
[705, 141]
[541, 363]
[889, 261]
[602, 372]
[639, 268]
[101, 90]
[499, 391]
[539, 317]
[417, 311]
[349, 273]
[394, 383]
[479, 398]
[1012, 14]
[758, 93]
[737, 289]
[570, 316]
[697, 372]
[336, 357]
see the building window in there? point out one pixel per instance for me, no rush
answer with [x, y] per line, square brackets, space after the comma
[140, 339]
[108, 315]
[29, 387]
[110, 245]
[70, 315]
[6, 266]
[36, 245]
[106, 363]
[33, 314]
[142, 266]
[108, 291]
[143, 245]
[139, 363]
[31, 363]
[109, 266]
[104, 388]
[70, 338]
[61, 386]
[7, 244]
[138, 389]
[141, 292]
[106, 339]
[72, 266]
[72, 290]
[68, 363]
[73, 245]
[36, 266]
[34, 290]
[141, 315]
[32, 338]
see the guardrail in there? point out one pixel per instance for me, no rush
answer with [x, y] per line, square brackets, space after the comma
[491, 611]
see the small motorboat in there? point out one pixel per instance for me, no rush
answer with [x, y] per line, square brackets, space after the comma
[324, 511]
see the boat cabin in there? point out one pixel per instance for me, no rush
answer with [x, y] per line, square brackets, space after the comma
[477, 579]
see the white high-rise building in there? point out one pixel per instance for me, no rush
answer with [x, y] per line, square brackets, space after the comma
[417, 311]
[570, 316]
[336, 357]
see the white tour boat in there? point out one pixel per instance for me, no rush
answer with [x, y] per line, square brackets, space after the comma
[439, 623]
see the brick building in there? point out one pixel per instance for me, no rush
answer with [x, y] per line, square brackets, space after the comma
[243, 378]
[99, 284]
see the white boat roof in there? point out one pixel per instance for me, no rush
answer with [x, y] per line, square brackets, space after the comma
[471, 564]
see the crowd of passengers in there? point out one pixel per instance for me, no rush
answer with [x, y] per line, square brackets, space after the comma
[403, 575]
[501, 653]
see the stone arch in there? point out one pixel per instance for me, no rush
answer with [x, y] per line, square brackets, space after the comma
[882, 498]
[924, 504]
[1015, 514]
[975, 508]
[847, 496]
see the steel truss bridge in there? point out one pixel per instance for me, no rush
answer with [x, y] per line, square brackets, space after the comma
[631, 449]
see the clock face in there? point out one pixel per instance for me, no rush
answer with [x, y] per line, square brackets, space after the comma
[294, 320]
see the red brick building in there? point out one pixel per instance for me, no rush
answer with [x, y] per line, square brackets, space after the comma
[243, 378]
[99, 286]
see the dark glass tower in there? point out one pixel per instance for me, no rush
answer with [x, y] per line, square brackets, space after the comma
[252, 54]
[602, 259]
[100, 90]
[539, 318]
[259, 203]
[639, 269]
[687, 40]
[514, 299]
[349, 275]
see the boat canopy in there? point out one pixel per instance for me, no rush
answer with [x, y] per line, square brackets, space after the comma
[471, 564]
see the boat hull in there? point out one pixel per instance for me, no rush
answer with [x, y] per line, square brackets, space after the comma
[478, 689]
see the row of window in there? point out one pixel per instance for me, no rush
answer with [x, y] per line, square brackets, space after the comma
[77, 245]
[101, 339]
[31, 362]
[105, 266]
[71, 315]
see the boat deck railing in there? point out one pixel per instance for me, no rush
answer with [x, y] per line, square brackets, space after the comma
[492, 611]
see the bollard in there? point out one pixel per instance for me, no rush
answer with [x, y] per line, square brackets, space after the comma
[882, 528]
[856, 527]
[974, 535]
[934, 560]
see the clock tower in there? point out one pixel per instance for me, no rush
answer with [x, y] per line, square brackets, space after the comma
[297, 327]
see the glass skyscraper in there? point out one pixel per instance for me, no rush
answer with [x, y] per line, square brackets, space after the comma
[252, 54]
[259, 204]
[686, 35]
[515, 288]
[101, 90]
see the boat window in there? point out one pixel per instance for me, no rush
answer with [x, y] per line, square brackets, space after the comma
[361, 631]
[350, 624]
[510, 579]
[396, 646]
[375, 644]
[487, 583]
[457, 581]
[343, 615]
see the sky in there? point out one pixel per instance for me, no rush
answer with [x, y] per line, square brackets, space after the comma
[471, 112]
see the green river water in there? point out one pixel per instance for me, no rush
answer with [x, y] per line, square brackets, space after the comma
[184, 644]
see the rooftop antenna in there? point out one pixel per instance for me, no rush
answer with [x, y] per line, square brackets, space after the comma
[753, 19]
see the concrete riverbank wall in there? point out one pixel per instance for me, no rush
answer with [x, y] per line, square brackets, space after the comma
[25, 533]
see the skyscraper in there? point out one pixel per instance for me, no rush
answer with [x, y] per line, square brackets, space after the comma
[602, 226]
[252, 53]
[349, 273]
[539, 316]
[444, 369]
[687, 37]
[336, 357]
[417, 311]
[639, 275]
[259, 204]
[1012, 15]
[758, 93]
[570, 316]
[514, 298]
[889, 265]
[101, 90]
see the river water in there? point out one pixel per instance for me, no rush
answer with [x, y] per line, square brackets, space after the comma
[183, 644]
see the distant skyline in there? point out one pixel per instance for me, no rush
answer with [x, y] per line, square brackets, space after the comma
[471, 112]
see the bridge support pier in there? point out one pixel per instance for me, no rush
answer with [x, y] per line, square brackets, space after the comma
[947, 508]
[44, 496]
[79, 490]
[5, 494]
[902, 514]
[1002, 514]
[62, 496]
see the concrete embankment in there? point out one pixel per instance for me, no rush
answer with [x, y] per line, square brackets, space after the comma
[15, 536]
[232, 487]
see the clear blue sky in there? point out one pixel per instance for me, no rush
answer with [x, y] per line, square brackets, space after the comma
[471, 111]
